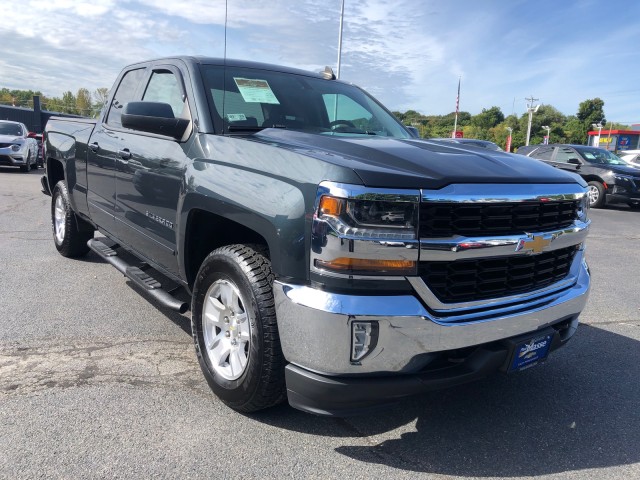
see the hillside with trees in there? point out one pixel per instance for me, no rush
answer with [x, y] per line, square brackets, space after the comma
[83, 102]
[491, 124]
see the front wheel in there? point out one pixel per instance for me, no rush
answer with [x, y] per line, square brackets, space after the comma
[596, 194]
[26, 168]
[70, 233]
[234, 327]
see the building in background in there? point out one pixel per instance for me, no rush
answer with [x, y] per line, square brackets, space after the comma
[616, 140]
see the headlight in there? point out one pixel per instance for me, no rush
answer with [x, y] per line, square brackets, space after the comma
[623, 179]
[360, 231]
[370, 217]
[583, 208]
[15, 147]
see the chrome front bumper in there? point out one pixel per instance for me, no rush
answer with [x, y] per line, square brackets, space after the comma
[315, 325]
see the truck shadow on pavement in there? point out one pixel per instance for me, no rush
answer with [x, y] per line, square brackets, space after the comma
[578, 411]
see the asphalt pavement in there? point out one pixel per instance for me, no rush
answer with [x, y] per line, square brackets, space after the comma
[98, 382]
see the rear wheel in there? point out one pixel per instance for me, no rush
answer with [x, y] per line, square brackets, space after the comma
[596, 194]
[234, 327]
[70, 233]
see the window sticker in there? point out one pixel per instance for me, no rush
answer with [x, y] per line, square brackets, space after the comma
[256, 91]
[236, 117]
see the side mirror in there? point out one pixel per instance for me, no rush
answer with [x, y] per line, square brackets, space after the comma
[574, 161]
[153, 117]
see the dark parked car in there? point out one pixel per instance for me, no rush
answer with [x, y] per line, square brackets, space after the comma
[610, 179]
[471, 142]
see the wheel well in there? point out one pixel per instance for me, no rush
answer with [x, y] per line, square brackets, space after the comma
[592, 178]
[206, 232]
[55, 172]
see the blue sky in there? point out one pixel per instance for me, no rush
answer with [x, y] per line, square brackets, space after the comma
[409, 54]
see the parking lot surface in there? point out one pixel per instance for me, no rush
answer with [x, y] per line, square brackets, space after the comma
[96, 381]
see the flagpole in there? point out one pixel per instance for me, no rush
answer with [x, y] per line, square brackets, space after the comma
[455, 123]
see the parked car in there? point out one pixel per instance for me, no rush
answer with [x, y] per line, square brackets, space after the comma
[631, 156]
[472, 142]
[610, 179]
[38, 138]
[17, 149]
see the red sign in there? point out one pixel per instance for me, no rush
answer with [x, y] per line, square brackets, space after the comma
[459, 134]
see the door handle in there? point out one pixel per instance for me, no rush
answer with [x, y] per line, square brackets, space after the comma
[94, 147]
[125, 154]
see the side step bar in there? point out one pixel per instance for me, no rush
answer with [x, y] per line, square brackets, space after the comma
[143, 280]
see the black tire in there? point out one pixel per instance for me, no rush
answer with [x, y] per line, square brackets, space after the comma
[26, 168]
[261, 383]
[596, 194]
[71, 235]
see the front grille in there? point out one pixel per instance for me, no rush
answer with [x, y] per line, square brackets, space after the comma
[483, 219]
[5, 145]
[481, 279]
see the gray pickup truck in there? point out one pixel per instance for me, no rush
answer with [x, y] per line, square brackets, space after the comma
[331, 258]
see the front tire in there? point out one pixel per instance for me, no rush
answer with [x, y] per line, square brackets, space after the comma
[234, 328]
[26, 168]
[70, 233]
[596, 194]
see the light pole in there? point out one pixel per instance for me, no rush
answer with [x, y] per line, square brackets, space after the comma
[531, 109]
[548, 139]
[508, 146]
[599, 127]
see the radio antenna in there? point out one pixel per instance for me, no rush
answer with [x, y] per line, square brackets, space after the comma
[226, 13]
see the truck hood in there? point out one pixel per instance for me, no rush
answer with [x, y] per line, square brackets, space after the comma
[414, 163]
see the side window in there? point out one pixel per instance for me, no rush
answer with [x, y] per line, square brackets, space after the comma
[565, 153]
[543, 153]
[163, 87]
[125, 93]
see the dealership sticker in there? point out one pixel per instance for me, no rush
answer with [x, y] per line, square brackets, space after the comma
[256, 91]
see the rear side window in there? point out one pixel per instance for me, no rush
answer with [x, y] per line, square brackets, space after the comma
[124, 94]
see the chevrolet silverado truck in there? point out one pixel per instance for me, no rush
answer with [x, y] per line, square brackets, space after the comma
[329, 257]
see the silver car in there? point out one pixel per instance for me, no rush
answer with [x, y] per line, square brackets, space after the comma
[16, 148]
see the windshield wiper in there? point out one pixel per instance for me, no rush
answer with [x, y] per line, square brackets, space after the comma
[250, 128]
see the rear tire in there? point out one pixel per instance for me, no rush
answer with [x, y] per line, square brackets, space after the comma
[70, 233]
[596, 194]
[234, 328]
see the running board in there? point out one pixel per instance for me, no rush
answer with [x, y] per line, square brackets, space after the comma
[142, 279]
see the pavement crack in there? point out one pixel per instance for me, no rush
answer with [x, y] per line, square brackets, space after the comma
[151, 363]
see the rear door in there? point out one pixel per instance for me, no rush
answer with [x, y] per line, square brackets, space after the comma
[149, 174]
[104, 144]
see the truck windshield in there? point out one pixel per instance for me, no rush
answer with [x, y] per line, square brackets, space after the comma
[247, 99]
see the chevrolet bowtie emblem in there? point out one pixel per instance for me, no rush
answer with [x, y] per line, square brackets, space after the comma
[534, 244]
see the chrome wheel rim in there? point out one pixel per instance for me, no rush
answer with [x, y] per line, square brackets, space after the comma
[594, 194]
[227, 331]
[59, 219]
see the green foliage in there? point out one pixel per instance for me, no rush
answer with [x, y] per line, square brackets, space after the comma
[82, 103]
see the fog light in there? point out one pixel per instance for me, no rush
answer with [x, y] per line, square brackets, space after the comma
[364, 338]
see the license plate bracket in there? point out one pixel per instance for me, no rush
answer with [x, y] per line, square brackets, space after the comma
[530, 352]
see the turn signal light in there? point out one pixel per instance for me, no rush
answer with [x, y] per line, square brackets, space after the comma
[331, 206]
[366, 266]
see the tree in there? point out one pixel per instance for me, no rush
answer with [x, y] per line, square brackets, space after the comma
[83, 102]
[68, 103]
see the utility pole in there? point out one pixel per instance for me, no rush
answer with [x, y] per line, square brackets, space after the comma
[531, 109]
[548, 138]
[599, 127]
